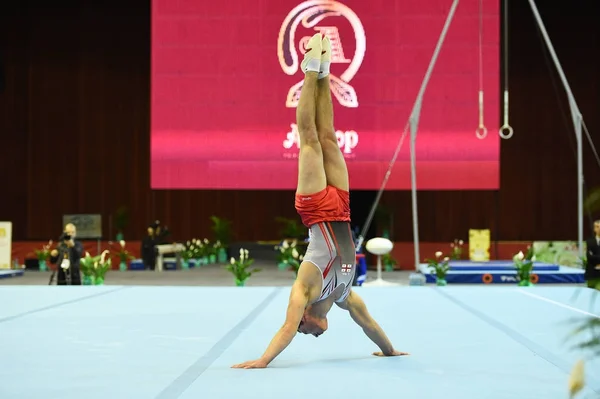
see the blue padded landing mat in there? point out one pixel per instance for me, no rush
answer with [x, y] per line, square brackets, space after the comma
[11, 273]
[469, 342]
[563, 275]
[496, 265]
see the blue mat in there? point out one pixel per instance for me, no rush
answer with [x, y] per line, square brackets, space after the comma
[496, 265]
[11, 273]
[564, 275]
[179, 342]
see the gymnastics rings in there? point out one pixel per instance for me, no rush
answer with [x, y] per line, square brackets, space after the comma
[481, 131]
[506, 131]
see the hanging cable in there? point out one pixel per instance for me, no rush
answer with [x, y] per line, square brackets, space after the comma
[481, 131]
[506, 131]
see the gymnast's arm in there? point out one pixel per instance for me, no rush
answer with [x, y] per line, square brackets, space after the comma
[359, 313]
[287, 332]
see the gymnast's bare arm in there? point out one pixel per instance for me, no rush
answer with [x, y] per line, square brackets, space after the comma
[359, 313]
[297, 303]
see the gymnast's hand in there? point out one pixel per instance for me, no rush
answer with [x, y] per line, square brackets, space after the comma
[252, 364]
[394, 353]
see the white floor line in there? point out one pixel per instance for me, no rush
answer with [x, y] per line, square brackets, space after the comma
[562, 305]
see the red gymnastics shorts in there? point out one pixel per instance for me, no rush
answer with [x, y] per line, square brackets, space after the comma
[328, 205]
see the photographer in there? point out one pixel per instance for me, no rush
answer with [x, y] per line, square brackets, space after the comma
[67, 257]
[148, 248]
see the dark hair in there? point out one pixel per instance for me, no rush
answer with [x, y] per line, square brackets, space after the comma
[300, 325]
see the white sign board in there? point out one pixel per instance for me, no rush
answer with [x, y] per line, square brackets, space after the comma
[5, 244]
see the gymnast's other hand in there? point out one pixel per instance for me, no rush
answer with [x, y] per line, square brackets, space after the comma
[394, 353]
[252, 364]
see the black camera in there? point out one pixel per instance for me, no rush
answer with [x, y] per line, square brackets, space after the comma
[65, 237]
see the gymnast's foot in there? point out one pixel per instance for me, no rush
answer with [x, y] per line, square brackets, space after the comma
[325, 57]
[312, 57]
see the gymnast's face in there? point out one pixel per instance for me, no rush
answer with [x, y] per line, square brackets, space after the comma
[311, 324]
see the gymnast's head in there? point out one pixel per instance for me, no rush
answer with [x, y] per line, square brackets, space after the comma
[312, 324]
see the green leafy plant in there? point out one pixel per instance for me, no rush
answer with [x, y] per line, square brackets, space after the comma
[439, 266]
[241, 267]
[95, 267]
[389, 262]
[292, 229]
[44, 253]
[123, 254]
[190, 250]
[524, 265]
[222, 230]
[196, 249]
[290, 255]
[592, 342]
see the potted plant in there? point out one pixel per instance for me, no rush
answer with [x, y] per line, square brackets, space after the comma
[189, 252]
[524, 265]
[86, 265]
[202, 251]
[389, 262]
[439, 266]
[213, 252]
[222, 234]
[290, 255]
[94, 268]
[456, 249]
[283, 255]
[124, 256]
[42, 255]
[101, 267]
[121, 221]
[241, 268]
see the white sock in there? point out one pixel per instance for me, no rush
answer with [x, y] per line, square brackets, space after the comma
[313, 65]
[324, 69]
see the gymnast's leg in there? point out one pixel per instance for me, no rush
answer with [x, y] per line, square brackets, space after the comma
[311, 173]
[336, 171]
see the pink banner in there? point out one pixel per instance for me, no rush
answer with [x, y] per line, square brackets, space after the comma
[225, 81]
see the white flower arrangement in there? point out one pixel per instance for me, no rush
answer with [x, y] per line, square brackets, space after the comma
[290, 255]
[240, 268]
[440, 266]
[524, 264]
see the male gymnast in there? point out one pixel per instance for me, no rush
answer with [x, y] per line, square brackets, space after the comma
[323, 202]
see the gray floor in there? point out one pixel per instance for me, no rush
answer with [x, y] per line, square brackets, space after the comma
[212, 275]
